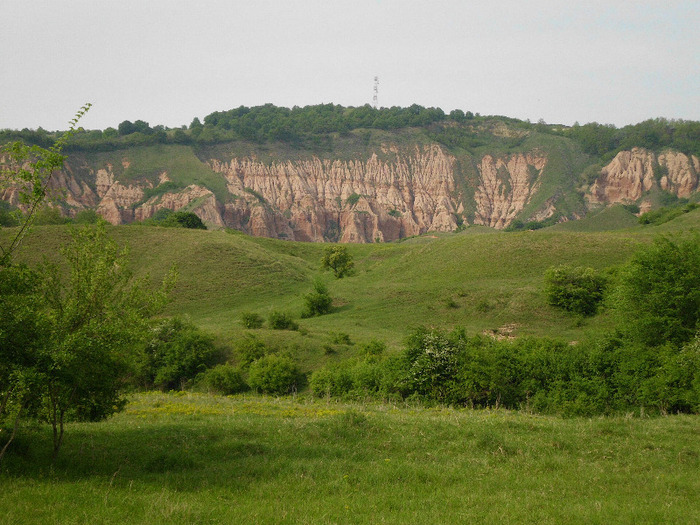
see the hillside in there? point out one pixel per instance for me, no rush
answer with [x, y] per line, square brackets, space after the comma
[360, 175]
[480, 279]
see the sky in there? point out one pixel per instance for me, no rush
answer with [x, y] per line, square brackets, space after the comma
[166, 62]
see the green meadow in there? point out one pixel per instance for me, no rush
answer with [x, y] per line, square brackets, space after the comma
[195, 457]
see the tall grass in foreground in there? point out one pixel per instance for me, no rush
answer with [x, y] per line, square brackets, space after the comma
[204, 459]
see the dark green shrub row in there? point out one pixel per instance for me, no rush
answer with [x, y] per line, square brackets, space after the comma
[270, 374]
[666, 214]
[610, 376]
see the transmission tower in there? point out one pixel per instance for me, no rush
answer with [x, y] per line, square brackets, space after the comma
[376, 92]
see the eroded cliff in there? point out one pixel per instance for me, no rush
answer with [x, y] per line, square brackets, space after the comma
[506, 186]
[381, 193]
[633, 173]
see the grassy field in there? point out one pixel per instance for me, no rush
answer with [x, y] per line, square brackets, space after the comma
[199, 459]
[481, 280]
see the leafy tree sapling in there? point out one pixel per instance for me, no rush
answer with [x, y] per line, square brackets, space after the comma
[339, 260]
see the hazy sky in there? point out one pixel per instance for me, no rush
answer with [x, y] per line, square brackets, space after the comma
[166, 62]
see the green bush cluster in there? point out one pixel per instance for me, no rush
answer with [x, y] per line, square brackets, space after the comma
[610, 376]
[277, 320]
[667, 213]
[176, 354]
[175, 219]
[575, 289]
[225, 379]
[317, 302]
[275, 374]
[251, 320]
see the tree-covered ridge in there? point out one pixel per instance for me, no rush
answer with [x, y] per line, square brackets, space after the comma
[309, 127]
[653, 134]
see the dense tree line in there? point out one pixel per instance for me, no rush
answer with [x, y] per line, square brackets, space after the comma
[308, 126]
[655, 134]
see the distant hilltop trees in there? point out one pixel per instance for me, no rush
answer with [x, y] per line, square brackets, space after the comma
[312, 127]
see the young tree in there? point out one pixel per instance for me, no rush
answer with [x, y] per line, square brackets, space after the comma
[29, 169]
[338, 259]
[658, 296]
[98, 319]
[317, 302]
[24, 326]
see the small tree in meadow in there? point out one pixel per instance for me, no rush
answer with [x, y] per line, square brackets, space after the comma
[338, 259]
[318, 302]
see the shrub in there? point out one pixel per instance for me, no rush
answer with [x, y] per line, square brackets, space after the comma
[8, 214]
[225, 379]
[339, 338]
[86, 217]
[176, 219]
[373, 348]
[574, 289]
[274, 374]
[249, 349]
[176, 354]
[188, 219]
[352, 199]
[281, 321]
[251, 320]
[318, 302]
[49, 215]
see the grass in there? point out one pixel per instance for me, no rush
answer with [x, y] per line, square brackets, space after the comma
[480, 280]
[148, 162]
[204, 459]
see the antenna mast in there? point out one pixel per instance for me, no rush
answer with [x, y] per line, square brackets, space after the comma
[376, 92]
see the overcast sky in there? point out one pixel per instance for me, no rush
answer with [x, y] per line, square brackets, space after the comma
[166, 62]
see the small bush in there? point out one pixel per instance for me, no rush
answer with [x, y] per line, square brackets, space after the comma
[274, 374]
[318, 302]
[251, 320]
[49, 215]
[249, 349]
[86, 217]
[188, 220]
[225, 379]
[352, 199]
[176, 354]
[281, 321]
[578, 290]
[373, 349]
[175, 219]
[340, 338]
[8, 214]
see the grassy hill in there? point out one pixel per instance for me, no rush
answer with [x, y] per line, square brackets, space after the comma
[481, 280]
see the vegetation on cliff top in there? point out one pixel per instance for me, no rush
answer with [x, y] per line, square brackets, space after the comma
[312, 127]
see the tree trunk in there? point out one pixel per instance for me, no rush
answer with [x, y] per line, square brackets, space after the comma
[14, 431]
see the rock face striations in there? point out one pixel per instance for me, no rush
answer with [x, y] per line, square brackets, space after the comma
[506, 187]
[376, 194]
[347, 201]
[632, 173]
